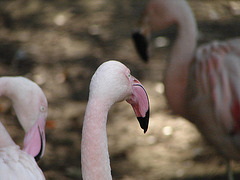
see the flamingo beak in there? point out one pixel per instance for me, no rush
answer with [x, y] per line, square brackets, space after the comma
[140, 103]
[141, 44]
[34, 141]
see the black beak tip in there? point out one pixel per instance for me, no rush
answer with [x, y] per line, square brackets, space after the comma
[38, 156]
[141, 45]
[143, 121]
[145, 130]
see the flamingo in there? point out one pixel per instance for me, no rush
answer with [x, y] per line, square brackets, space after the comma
[201, 84]
[111, 83]
[30, 105]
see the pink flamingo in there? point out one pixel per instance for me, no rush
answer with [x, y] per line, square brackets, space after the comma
[30, 105]
[201, 84]
[111, 83]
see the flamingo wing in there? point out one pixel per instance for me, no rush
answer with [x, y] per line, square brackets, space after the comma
[16, 164]
[213, 93]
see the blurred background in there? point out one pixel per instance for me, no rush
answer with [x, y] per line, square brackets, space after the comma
[60, 43]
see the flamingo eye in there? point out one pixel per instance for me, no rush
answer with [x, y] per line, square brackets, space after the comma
[129, 75]
[42, 108]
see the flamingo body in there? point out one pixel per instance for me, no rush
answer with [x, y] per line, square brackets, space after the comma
[202, 84]
[213, 94]
[16, 164]
[30, 105]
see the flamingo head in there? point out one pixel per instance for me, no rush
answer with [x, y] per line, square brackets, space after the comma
[30, 105]
[113, 82]
[158, 15]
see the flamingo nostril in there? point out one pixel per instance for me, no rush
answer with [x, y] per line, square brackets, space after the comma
[136, 81]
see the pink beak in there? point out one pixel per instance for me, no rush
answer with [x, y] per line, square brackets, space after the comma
[140, 103]
[34, 141]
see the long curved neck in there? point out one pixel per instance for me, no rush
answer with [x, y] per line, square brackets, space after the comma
[5, 139]
[4, 90]
[180, 58]
[12, 88]
[94, 149]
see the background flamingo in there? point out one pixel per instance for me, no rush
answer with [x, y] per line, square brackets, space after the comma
[200, 84]
[111, 83]
[30, 105]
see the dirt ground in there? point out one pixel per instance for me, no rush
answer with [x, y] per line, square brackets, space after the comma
[60, 44]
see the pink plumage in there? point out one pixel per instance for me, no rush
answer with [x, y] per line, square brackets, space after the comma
[111, 83]
[201, 84]
[30, 105]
